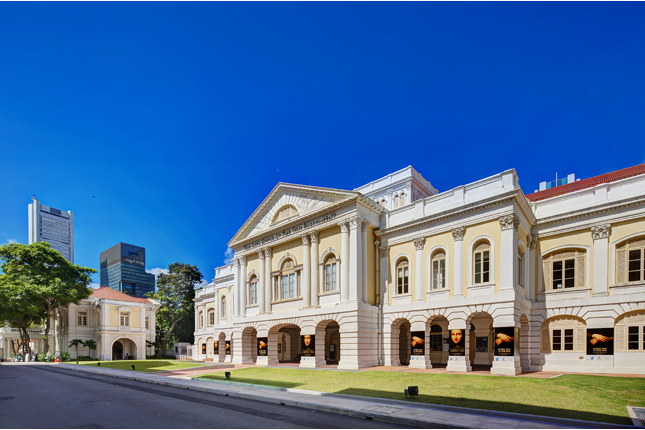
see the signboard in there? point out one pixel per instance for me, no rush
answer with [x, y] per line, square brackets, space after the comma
[308, 345]
[263, 346]
[481, 344]
[457, 343]
[418, 342]
[203, 348]
[216, 347]
[504, 341]
[600, 341]
[291, 230]
[228, 347]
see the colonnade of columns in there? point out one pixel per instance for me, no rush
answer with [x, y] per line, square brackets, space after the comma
[353, 270]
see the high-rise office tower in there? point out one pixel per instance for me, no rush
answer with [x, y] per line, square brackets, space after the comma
[47, 224]
[123, 268]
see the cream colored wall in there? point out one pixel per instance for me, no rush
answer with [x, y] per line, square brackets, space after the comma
[489, 228]
[544, 245]
[371, 267]
[114, 316]
[396, 250]
[330, 238]
[444, 239]
[293, 247]
[134, 318]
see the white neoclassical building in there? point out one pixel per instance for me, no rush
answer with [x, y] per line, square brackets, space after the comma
[395, 273]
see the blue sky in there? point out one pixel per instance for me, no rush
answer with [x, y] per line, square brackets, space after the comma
[164, 125]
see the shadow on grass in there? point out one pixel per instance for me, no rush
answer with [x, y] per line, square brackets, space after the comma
[251, 381]
[492, 406]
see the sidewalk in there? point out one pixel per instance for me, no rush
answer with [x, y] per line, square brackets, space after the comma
[393, 411]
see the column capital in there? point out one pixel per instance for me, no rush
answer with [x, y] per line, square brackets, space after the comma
[344, 228]
[305, 239]
[314, 236]
[508, 222]
[531, 241]
[384, 250]
[419, 242]
[364, 223]
[268, 252]
[458, 233]
[261, 254]
[242, 259]
[236, 261]
[354, 223]
[600, 231]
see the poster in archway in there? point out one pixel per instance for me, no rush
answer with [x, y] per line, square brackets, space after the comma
[308, 345]
[263, 346]
[504, 341]
[228, 347]
[216, 347]
[600, 341]
[418, 342]
[457, 343]
[203, 348]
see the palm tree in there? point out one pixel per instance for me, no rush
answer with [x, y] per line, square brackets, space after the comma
[76, 343]
[89, 344]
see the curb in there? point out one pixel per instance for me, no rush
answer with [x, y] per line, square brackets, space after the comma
[221, 390]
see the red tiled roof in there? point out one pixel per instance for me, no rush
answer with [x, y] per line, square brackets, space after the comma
[109, 293]
[587, 183]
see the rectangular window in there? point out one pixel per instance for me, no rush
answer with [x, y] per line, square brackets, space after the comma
[519, 270]
[564, 274]
[125, 319]
[482, 267]
[82, 318]
[292, 285]
[254, 293]
[438, 274]
[633, 338]
[568, 339]
[285, 286]
[330, 277]
[147, 323]
[403, 280]
[634, 265]
[557, 340]
[211, 318]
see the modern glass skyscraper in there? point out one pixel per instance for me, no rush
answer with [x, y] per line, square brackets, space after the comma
[53, 226]
[123, 268]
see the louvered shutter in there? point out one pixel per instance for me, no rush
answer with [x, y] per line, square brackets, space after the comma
[637, 243]
[581, 339]
[621, 270]
[546, 339]
[546, 276]
[580, 273]
[619, 336]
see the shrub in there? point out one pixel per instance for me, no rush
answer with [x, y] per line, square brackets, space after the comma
[41, 357]
[86, 358]
[64, 356]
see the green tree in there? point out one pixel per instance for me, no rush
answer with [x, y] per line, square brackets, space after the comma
[46, 279]
[175, 291]
[91, 344]
[76, 343]
[17, 309]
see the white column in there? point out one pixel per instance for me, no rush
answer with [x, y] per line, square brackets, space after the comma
[384, 251]
[314, 269]
[530, 252]
[600, 234]
[364, 225]
[142, 321]
[458, 273]
[344, 261]
[261, 282]
[242, 286]
[267, 286]
[508, 264]
[305, 286]
[236, 288]
[355, 270]
[418, 269]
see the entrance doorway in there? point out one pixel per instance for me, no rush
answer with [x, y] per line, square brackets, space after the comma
[117, 351]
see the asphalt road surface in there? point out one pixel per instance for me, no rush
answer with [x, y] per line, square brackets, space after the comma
[43, 397]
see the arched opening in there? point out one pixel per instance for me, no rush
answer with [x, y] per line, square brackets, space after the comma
[480, 338]
[249, 345]
[284, 344]
[124, 349]
[438, 332]
[220, 347]
[328, 344]
[210, 346]
[401, 339]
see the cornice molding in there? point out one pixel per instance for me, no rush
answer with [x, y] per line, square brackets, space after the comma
[588, 212]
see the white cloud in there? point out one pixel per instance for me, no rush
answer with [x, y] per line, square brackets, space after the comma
[12, 241]
[157, 271]
[95, 286]
[229, 256]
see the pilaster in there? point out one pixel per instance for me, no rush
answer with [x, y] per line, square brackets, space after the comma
[458, 272]
[305, 285]
[314, 268]
[508, 253]
[261, 282]
[418, 269]
[600, 234]
[345, 261]
[268, 253]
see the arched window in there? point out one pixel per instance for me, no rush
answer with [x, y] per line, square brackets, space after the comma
[402, 202]
[285, 213]
[223, 312]
[253, 290]
[564, 334]
[396, 201]
[481, 263]
[331, 271]
[288, 280]
[402, 277]
[564, 269]
[629, 332]
[630, 261]
[201, 319]
[383, 203]
[438, 270]
[436, 344]
[211, 317]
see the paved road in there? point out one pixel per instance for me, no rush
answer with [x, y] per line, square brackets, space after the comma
[43, 397]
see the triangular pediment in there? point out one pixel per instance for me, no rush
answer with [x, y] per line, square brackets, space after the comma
[304, 199]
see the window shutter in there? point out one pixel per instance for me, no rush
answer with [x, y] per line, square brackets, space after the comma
[546, 275]
[619, 336]
[581, 340]
[546, 339]
[637, 243]
[621, 270]
[580, 275]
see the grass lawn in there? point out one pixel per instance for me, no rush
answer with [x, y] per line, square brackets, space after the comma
[585, 397]
[142, 365]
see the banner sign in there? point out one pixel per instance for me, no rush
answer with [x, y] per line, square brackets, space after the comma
[263, 343]
[203, 348]
[457, 343]
[600, 341]
[228, 347]
[308, 345]
[291, 230]
[504, 341]
[418, 342]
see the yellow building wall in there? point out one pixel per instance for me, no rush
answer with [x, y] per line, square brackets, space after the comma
[489, 228]
[114, 316]
[252, 263]
[293, 247]
[545, 245]
[445, 239]
[330, 238]
[134, 318]
[395, 251]
[371, 267]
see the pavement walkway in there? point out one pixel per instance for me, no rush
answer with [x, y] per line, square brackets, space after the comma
[393, 411]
